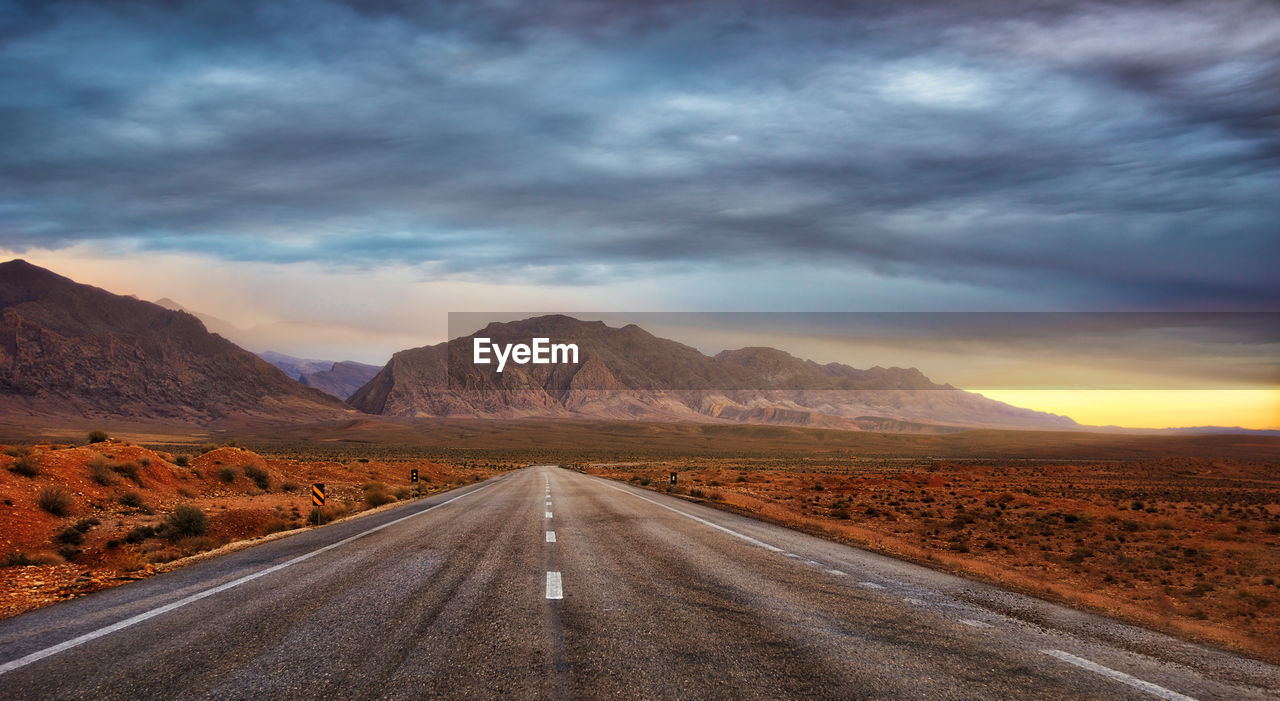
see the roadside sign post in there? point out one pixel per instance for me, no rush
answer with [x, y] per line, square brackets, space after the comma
[673, 478]
[317, 494]
[413, 475]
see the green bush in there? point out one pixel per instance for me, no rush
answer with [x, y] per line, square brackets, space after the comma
[98, 436]
[54, 499]
[182, 461]
[26, 466]
[185, 521]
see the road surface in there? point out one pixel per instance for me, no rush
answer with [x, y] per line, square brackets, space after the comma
[545, 583]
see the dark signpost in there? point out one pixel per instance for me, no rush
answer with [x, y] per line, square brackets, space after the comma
[673, 478]
[413, 475]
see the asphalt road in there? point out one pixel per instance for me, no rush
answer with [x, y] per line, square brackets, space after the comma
[636, 595]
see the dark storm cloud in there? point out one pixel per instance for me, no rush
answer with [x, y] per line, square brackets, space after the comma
[1123, 154]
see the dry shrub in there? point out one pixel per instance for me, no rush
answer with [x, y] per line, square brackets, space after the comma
[25, 465]
[55, 500]
[100, 471]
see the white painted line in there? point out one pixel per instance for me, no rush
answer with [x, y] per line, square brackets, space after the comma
[551, 536]
[555, 590]
[1153, 689]
[914, 601]
[837, 573]
[975, 623]
[548, 503]
[792, 555]
[146, 615]
[703, 521]
[871, 585]
[815, 563]
[548, 514]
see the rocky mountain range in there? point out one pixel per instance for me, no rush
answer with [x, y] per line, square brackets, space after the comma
[340, 379]
[628, 373]
[68, 349]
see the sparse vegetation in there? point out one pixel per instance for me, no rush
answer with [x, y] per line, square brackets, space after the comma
[129, 470]
[100, 471]
[259, 475]
[98, 436]
[377, 497]
[25, 465]
[55, 500]
[69, 536]
[132, 499]
[181, 460]
[185, 521]
[228, 474]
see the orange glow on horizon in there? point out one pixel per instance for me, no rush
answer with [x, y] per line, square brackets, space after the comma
[1168, 408]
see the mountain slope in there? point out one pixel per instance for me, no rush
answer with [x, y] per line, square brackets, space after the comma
[342, 379]
[628, 373]
[68, 349]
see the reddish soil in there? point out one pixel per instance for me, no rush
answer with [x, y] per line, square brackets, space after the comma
[119, 496]
[1190, 546]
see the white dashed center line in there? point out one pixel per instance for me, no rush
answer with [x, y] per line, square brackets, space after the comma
[1153, 689]
[555, 590]
[551, 536]
[548, 514]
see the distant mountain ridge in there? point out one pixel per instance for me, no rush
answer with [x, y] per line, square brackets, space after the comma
[340, 379]
[68, 349]
[628, 373]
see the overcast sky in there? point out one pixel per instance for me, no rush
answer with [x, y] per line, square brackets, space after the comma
[363, 168]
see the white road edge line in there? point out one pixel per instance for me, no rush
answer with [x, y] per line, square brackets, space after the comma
[551, 536]
[1153, 689]
[145, 615]
[555, 590]
[703, 521]
[871, 585]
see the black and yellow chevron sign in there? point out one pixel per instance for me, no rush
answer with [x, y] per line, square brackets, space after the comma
[317, 494]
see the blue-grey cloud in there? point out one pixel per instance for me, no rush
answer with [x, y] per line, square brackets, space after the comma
[1119, 154]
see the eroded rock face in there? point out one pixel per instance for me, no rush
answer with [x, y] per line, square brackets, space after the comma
[628, 373]
[72, 349]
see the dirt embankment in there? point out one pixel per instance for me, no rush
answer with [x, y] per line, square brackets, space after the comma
[76, 519]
